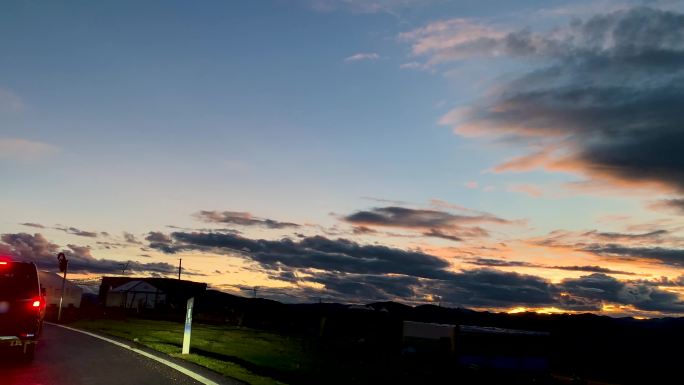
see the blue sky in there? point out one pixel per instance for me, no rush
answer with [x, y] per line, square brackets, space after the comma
[129, 117]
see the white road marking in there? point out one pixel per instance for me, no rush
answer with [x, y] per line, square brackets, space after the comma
[162, 361]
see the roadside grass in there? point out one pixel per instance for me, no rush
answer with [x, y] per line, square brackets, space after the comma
[245, 354]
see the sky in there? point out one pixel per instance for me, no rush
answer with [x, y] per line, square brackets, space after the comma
[494, 155]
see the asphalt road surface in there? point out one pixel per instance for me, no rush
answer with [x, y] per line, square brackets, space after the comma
[64, 357]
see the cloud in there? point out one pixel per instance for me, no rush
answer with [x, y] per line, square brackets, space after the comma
[434, 233]
[491, 262]
[431, 223]
[651, 236]
[362, 56]
[592, 269]
[316, 252]
[36, 248]
[359, 230]
[25, 150]
[130, 238]
[158, 237]
[350, 271]
[369, 287]
[371, 271]
[110, 245]
[625, 33]
[31, 224]
[564, 238]
[602, 100]
[667, 256]
[602, 288]
[453, 39]
[242, 219]
[76, 231]
[395, 216]
[675, 206]
[657, 246]
[160, 241]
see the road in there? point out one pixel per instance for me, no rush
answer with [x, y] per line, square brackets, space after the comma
[65, 357]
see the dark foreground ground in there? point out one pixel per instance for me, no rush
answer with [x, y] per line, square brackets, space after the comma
[65, 357]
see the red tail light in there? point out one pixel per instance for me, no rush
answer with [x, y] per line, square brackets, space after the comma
[36, 303]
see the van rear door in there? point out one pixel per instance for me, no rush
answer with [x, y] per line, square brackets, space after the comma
[20, 300]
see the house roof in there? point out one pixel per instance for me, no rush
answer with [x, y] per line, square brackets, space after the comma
[136, 286]
[52, 280]
[172, 287]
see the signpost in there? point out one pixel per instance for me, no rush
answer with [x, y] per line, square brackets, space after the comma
[188, 327]
[63, 267]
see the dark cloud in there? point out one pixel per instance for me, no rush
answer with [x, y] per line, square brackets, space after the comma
[30, 224]
[667, 256]
[395, 216]
[30, 247]
[602, 288]
[157, 237]
[36, 248]
[607, 105]
[494, 288]
[615, 237]
[109, 245]
[369, 287]
[434, 233]
[664, 281]
[592, 269]
[316, 252]
[431, 223]
[634, 37]
[360, 230]
[242, 219]
[130, 238]
[160, 241]
[675, 206]
[491, 262]
[76, 231]
[354, 272]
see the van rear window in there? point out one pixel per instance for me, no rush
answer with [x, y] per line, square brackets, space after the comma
[18, 280]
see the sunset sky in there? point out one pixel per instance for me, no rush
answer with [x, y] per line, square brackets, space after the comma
[499, 155]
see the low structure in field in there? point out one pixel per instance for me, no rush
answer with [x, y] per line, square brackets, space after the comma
[52, 283]
[148, 293]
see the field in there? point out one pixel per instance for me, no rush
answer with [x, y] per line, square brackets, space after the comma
[253, 356]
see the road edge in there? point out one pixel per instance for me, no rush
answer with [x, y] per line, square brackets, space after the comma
[195, 376]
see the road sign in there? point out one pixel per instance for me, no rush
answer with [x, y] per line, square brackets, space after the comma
[63, 262]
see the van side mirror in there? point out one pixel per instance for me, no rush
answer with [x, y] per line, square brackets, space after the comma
[43, 292]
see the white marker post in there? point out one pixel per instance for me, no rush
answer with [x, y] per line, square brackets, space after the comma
[188, 327]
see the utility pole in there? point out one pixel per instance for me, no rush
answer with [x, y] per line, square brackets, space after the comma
[63, 267]
[124, 267]
[180, 266]
[255, 290]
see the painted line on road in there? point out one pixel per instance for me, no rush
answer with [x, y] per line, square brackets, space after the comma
[168, 363]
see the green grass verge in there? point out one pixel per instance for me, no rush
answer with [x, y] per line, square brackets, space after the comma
[260, 351]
